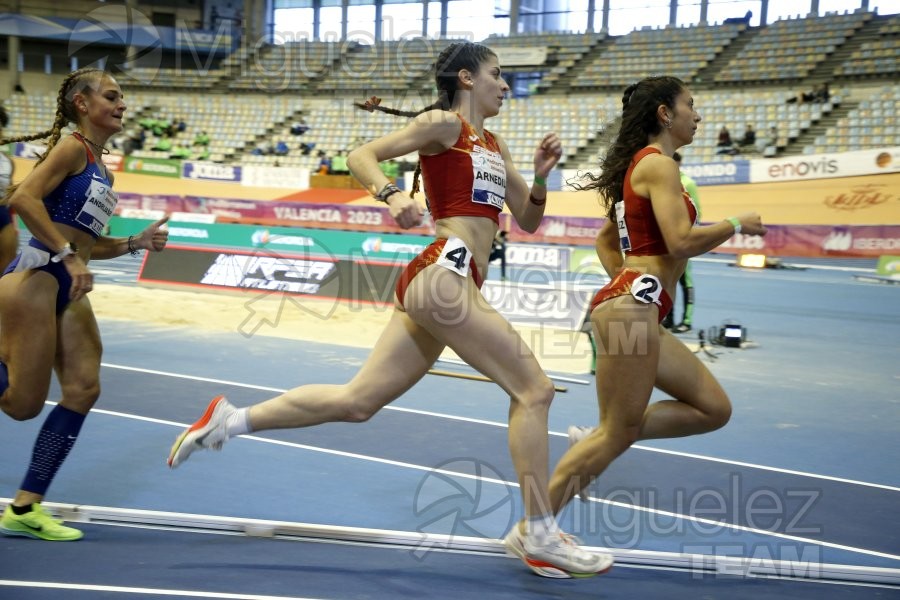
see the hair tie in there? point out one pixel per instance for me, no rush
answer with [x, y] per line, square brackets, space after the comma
[371, 103]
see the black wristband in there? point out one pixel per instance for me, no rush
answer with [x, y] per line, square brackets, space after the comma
[537, 202]
[386, 192]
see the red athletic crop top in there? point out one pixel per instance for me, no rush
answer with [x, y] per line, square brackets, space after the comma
[468, 179]
[639, 232]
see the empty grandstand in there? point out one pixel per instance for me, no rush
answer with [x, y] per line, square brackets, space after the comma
[244, 92]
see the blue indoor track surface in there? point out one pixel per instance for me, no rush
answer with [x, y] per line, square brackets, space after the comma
[806, 473]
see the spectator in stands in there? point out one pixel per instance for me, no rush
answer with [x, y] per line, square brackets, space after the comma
[181, 151]
[201, 139]
[137, 135]
[161, 127]
[281, 148]
[339, 163]
[306, 149]
[45, 316]
[686, 281]
[324, 167]
[650, 219]
[822, 93]
[9, 237]
[724, 144]
[299, 127]
[749, 138]
[498, 251]
[724, 137]
[772, 135]
[391, 169]
[438, 303]
[802, 97]
[163, 144]
[263, 148]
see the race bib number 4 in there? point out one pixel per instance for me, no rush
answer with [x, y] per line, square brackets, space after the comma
[647, 289]
[455, 257]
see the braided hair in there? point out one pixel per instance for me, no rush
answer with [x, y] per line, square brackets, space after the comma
[452, 59]
[639, 121]
[81, 81]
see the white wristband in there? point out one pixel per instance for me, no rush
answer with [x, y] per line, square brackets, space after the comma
[736, 223]
[67, 250]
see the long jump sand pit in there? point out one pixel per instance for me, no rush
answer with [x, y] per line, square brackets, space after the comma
[309, 320]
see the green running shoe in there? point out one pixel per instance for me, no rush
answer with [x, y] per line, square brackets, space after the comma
[37, 524]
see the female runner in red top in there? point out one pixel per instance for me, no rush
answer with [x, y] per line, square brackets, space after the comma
[469, 176]
[651, 218]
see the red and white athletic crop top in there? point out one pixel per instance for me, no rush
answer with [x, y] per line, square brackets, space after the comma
[468, 179]
[639, 232]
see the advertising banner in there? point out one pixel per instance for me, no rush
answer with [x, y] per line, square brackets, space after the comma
[141, 202]
[553, 306]
[864, 200]
[302, 241]
[260, 176]
[858, 241]
[153, 166]
[572, 231]
[266, 273]
[822, 166]
[333, 216]
[719, 173]
[521, 56]
[114, 162]
[211, 171]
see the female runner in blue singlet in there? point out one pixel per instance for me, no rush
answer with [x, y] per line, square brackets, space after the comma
[46, 320]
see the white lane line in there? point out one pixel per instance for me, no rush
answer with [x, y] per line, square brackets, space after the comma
[143, 591]
[495, 424]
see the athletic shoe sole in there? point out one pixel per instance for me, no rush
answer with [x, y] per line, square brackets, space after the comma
[193, 431]
[516, 549]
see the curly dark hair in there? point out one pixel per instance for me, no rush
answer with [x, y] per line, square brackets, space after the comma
[639, 121]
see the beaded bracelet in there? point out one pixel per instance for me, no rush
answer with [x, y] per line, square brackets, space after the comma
[131, 247]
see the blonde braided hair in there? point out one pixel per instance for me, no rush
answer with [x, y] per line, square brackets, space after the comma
[75, 82]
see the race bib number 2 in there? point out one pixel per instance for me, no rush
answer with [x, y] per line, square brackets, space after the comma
[647, 289]
[455, 257]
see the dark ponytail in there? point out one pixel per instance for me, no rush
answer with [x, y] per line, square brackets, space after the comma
[640, 102]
